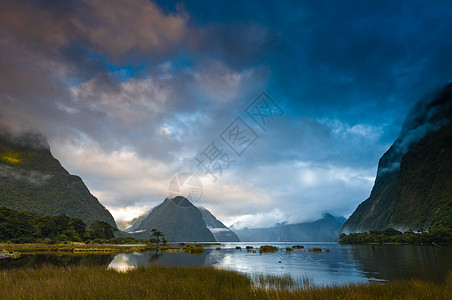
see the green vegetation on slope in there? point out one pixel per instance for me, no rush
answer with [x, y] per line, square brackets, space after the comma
[32, 180]
[159, 282]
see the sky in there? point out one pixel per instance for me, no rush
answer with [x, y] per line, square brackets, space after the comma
[281, 109]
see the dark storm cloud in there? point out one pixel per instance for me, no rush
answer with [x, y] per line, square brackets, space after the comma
[241, 44]
[346, 53]
[345, 58]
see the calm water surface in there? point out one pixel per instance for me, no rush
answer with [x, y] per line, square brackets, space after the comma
[343, 264]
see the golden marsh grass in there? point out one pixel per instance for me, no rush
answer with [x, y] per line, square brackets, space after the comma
[159, 282]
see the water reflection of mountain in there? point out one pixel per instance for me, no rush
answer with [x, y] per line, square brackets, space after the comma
[38, 260]
[392, 262]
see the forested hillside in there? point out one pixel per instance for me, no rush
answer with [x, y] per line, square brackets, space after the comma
[32, 180]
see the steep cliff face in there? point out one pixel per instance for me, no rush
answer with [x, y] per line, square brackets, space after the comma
[413, 188]
[32, 180]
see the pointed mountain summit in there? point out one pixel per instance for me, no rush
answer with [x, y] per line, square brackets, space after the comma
[181, 221]
[32, 180]
[413, 187]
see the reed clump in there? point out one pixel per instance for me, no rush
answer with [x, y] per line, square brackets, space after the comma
[315, 249]
[193, 249]
[268, 249]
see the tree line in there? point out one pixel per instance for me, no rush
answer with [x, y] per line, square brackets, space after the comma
[26, 227]
[438, 235]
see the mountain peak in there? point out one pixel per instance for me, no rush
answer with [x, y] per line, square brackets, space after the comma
[181, 221]
[179, 201]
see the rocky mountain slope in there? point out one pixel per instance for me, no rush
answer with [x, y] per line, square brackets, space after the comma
[413, 187]
[32, 180]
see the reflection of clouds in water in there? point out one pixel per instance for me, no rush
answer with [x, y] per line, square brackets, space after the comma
[214, 258]
[320, 268]
[344, 264]
[123, 263]
[126, 262]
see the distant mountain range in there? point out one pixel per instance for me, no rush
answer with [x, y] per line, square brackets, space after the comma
[32, 180]
[413, 187]
[322, 230]
[181, 221]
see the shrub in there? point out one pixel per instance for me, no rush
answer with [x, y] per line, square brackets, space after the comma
[194, 250]
[315, 249]
[268, 249]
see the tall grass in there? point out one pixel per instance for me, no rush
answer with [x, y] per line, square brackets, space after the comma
[279, 282]
[159, 282]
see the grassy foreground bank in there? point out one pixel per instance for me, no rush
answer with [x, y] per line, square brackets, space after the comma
[159, 282]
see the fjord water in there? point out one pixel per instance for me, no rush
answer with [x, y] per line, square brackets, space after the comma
[342, 264]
